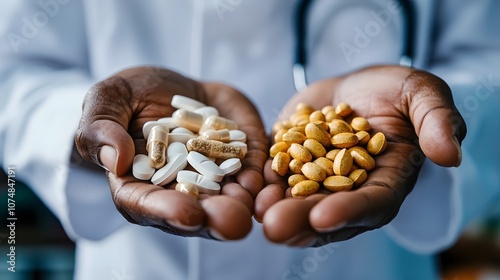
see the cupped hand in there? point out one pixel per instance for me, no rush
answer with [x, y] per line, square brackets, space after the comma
[414, 109]
[110, 135]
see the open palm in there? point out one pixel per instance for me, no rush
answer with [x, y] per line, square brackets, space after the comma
[110, 134]
[414, 109]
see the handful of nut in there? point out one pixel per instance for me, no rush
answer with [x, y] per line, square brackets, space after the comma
[319, 148]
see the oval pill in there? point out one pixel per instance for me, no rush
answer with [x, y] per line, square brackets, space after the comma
[305, 188]
[230, 166]
[280, 163]
[376, 144]
[313, 171]
[338, 183]
[203, 184]
[207, 111]
[167, 173]
[183, 102]
[176, 148]
[205, 166]
[300, 153]
[141, 169]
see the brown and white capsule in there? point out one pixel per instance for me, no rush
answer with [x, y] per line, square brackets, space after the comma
[215, 149]
[157, 146]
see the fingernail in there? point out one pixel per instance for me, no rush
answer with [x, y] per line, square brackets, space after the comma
[108, 157]
[332, 228]
[180, 226]
[215, 234]
[459, 151]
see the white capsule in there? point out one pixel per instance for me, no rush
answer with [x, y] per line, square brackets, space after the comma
[168, 123]
[167, 173]
[175, 149]
[230, 166]
[188, 119]
[203, 184]
[207, 111]
[205, 166]
[183, 102]
[181, 134]
[218, 123]
[141, 169]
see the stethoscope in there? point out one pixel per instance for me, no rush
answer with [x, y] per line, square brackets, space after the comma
[300, 63]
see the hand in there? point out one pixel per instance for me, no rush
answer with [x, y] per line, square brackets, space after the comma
[415, 111]
[110, 134]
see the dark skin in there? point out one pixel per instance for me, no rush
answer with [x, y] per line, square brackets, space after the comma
[414, 109]
[114, 111]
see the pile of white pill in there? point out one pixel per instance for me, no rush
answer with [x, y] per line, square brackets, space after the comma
[197, 136]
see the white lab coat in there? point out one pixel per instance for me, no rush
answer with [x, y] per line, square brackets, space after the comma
[52, 51]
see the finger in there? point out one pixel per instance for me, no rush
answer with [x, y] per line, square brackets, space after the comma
[227, 218]
[377, 201]
[239, 193]
[242, 111]
[151, 205]
[270, 195]
[102, 135]
[287, 221]
[437, 122]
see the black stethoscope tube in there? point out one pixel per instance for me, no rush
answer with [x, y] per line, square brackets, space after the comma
[300, 63]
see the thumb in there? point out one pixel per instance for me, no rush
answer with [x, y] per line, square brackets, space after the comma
[438, 124]
[102, 136]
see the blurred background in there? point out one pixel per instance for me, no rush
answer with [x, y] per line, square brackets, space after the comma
[43, 251]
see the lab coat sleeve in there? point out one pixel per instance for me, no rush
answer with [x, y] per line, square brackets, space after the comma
[43, 80]
[467, 56]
